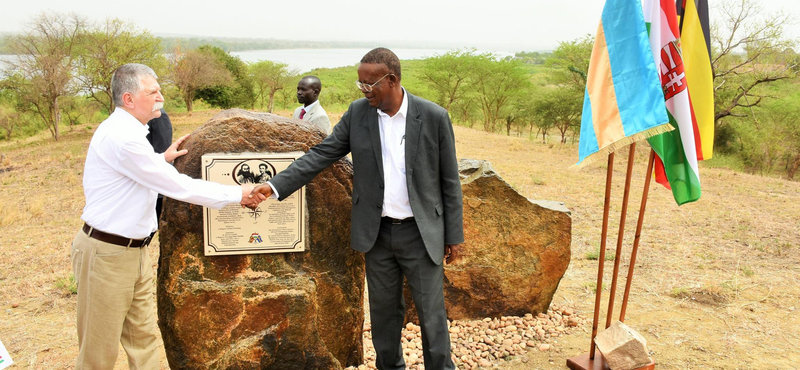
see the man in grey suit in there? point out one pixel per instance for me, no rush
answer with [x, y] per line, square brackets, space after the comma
[407, 207]
[308, 90]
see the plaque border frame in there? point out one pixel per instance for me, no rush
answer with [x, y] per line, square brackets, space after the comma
[300, 193]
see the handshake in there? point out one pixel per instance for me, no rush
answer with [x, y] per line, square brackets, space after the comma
[252, 196]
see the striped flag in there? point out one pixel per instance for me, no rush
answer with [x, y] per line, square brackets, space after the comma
[694, 31]
[623, 102]
[676, 167]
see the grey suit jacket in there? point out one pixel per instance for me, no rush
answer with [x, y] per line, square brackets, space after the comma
[317, 116]
[434, 188]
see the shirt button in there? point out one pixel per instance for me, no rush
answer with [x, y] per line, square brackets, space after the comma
[381, 186]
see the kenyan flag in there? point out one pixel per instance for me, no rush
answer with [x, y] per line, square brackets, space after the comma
[676, 150]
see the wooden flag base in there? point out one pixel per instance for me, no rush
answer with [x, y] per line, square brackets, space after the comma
[583, 362]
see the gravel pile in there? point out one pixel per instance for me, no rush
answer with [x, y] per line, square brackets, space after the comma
[482, 343]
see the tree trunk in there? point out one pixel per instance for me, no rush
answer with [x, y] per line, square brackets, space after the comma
[271, 101]
[793, 166]
[56, 117]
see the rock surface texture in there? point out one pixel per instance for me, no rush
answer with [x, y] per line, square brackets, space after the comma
[266, 311]
[515, 251]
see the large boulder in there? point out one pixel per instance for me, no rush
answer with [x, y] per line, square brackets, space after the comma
[265, 311]
[515, 250]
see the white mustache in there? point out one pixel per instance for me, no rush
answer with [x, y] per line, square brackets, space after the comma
[158, 106]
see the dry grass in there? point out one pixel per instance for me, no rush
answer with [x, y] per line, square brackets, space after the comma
[716, 287]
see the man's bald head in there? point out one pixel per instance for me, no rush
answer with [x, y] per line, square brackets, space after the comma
[308, 89]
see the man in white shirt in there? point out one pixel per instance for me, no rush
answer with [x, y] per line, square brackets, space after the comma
[308, 90]
[110, 260]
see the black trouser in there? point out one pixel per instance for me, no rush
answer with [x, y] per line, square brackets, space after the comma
[399, 251]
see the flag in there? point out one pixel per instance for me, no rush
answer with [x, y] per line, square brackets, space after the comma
[676, 165]
[623, 102]
[695, 40]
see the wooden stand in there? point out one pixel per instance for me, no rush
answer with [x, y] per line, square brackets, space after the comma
[583, 362]
[593, 360]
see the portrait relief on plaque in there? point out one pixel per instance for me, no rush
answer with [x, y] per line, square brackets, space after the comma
[273, 227]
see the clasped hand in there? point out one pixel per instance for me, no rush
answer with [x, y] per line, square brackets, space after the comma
[249, 198]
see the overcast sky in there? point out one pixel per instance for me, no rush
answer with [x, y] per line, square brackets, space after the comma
[499, 25]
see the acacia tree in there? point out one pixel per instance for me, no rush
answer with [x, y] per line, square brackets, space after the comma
[559, 108]
[497, 82]
[42, 72]
[449, 75]
[571, 62]
[269, 78]
[195, 70]
[107, 46]
[749, 51]
[237, 93]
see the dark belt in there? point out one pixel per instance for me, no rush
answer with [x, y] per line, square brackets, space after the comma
[115, 239]
[397, 221]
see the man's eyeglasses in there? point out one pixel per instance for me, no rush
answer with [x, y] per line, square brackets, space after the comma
[368, 87]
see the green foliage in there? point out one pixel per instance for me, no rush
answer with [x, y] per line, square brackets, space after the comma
[750, 53]
[497, 84]
[570, 62]
[452, 75]
[338, 87]
[559, 107]
[595, 255]
[67, 286]
[534, 57]
[105, 47]
[44, 70]
[268, 79]
[768, 140]
[238, 94]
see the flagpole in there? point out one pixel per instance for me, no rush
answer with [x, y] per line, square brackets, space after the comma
[648, 175]
[602, 256]
[620, 235]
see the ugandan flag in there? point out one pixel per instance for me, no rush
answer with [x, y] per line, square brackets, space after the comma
[676, 150]
[696, 44]
[623, 102]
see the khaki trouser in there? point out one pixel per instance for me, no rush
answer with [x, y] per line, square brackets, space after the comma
[115, 303]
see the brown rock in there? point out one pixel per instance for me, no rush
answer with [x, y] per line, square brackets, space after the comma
[515, 252]
[264, 311]
[544, 347]
[622, 347]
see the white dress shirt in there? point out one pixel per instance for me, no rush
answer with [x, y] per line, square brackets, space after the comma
[393, 152]
[123, 176]
[308, 108]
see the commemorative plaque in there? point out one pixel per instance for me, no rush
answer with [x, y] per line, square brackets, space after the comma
[273, 227]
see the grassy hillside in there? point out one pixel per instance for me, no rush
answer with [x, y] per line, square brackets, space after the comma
[717, 281]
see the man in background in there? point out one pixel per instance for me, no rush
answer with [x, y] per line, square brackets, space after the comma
[160, 137]
[121, 179]
[308, 89]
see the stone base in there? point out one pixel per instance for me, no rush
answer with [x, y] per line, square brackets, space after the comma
[583, 362]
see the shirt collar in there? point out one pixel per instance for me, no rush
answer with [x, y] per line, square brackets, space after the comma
[310, 106]
[403, 107]
[130, 122]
